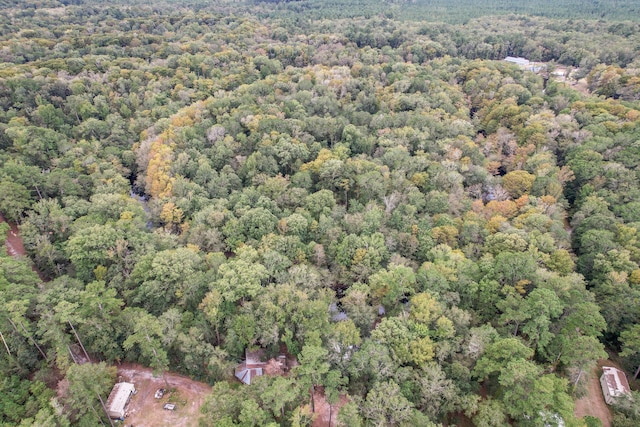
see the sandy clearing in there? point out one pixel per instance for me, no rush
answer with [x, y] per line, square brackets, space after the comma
[146, 411]
[323, 410]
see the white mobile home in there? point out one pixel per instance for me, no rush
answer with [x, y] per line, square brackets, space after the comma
[118, 399]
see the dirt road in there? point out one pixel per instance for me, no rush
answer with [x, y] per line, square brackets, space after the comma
[14, 244]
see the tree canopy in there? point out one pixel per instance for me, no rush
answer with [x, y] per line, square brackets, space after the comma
[433, 232]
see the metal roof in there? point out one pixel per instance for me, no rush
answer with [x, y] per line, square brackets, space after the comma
[616, 381]
[119, 398]
[517, 60]
[246, 374]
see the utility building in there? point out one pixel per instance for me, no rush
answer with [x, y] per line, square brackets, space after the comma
[118, 399]
[524, 63]
[251, 367]
[614, 384]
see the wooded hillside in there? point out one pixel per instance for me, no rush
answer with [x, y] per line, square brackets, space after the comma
[434, 233]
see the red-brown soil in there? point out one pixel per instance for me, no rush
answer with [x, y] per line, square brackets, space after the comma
[323, 410]
[15, 246]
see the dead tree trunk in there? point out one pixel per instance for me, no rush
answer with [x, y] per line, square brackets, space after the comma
[79, 341]
[105, 409]
[313, 403]
[5, 344]
[29, 336]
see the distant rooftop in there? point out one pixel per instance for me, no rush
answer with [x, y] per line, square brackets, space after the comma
[517, 60]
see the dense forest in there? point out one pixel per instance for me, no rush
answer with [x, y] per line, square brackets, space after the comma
[438, 236]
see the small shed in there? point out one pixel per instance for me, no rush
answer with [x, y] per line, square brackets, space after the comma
[614, 384]
[245, 373]
[118, 399]
[251, 367]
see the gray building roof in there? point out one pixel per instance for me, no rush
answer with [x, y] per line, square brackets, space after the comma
[119, 398]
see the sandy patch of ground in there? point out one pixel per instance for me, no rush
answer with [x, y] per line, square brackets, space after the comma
[581, 86]
[146, 411]
[323, 410]
[593, 403]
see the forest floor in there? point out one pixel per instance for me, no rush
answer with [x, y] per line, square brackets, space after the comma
[593, 402]
[581, 86]
[324, 411]
[145, 410]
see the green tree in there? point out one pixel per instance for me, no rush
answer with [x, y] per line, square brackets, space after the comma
[146, 337]
[88, 384]
[222, 406]
[241, 277]
[518, 183]
[99, 320]
[392, 285]
[92, 247]
[342, 342]
[370, 364]
[313, 369]
[14, 200]
[491, 413]
[499, 354]
[386, 406]
[175, 277]
[630, 339]
[277, 395]
[581, 355]
[349, 416]
[437, 393]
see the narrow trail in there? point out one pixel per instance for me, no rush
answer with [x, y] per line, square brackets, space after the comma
[15, 245]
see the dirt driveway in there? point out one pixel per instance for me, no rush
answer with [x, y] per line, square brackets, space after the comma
[145, 410]
[593, 403]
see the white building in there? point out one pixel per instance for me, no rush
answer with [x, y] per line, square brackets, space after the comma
[524, 63]
[614, 384]
[118, 399]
